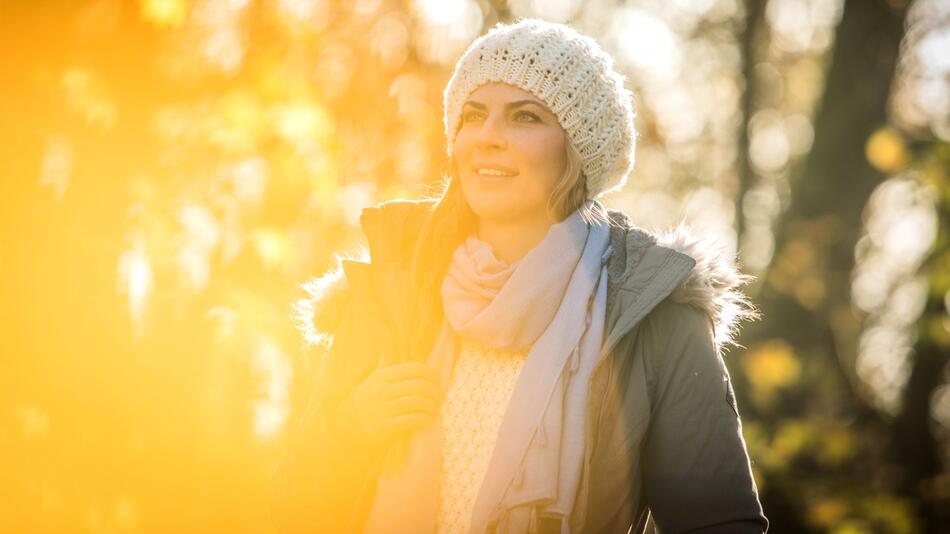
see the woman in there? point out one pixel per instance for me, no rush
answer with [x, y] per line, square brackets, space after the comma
[514, 357]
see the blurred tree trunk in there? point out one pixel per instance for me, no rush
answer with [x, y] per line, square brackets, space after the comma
[916, 450]
[806, 299]
[807, 291]
[753, 25]
[915, 447]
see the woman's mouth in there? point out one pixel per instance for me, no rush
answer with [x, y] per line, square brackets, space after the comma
[494, 174]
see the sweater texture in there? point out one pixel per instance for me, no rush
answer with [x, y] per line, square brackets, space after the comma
[474, 405]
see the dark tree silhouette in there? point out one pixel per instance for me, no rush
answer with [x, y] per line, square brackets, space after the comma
[806, 296]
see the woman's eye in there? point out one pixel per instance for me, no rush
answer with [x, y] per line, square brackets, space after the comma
[521, 116]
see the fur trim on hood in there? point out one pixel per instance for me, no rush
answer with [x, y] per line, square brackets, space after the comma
[318, 313]
[713, 286]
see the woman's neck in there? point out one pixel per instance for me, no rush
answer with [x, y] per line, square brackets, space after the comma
[512, 240]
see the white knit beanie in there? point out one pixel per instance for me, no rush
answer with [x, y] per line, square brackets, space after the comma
[572, 75]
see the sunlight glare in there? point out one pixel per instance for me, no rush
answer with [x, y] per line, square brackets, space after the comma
[932, 96]
[883, 364]
[441, 12]
[164, 14]
[300, 9]
[224, 49]
[645, 43]
[249, 179]
[302, 123]
[678, 118]
[712, 213]
[272, 247]
[900, 227]
[34, 421]
[903, 220]
[411, 159]
[335, 68]
[934, 51]
[802, 24]
[389, 40]
[366, 7]
[769, 148]
[351, 199]
[223, 45]
[57, 166]
[448, 26]
[551, 10]
[201, 235]
[273, 368]
[135, 281]
[86, 96]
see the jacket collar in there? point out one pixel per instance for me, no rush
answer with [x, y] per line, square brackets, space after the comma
[679, 264]
[645, 269]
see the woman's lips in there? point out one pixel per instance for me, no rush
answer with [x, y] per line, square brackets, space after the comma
[493, 168]
[496, 173]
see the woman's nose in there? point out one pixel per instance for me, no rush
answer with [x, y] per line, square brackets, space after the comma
[491, 134]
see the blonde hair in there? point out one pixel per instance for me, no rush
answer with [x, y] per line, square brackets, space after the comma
[451, 220]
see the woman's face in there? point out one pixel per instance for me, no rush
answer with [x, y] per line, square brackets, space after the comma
[510, 152]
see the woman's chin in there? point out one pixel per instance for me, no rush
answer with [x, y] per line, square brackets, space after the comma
[497, 201]
[486, 207]
[503, 211]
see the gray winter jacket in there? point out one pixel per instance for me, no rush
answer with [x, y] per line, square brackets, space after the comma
[666, 445]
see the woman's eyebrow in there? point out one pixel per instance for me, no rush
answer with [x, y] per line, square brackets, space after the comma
[509, 105]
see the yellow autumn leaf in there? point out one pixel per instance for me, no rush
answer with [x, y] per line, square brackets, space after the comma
[836, 445]
[827, 512]
[272, 247]
[772, 365]
[164, 14]
[886, 151]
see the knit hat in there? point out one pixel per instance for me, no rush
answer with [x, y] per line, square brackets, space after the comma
[572, 75]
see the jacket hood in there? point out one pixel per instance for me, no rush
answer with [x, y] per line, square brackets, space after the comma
[317, 314]
[712, 285]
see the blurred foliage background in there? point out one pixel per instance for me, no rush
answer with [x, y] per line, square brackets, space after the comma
[172, 170]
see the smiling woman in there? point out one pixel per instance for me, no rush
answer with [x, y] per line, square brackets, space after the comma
[515, 357]
[509, 156]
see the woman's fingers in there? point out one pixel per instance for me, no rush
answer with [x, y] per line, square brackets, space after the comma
[413, 386]
[408, 404]
[405, 371]
[406, 423]
[395, 398]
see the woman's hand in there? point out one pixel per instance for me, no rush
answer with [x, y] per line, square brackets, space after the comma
[392, 401]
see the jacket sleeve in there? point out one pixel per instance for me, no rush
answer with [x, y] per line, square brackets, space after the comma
[322, 480]
[696, 471]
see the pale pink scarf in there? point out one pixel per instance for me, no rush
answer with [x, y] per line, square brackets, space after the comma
[552, 300]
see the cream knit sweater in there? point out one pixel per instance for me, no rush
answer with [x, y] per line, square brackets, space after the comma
[483, 380]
